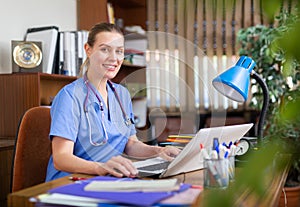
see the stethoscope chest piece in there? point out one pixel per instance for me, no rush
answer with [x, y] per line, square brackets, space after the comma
[128, 122]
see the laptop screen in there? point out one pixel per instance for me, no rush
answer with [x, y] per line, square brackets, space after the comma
[190, 157]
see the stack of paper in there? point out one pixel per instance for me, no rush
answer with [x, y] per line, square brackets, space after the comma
[180, 138]
[179, 141]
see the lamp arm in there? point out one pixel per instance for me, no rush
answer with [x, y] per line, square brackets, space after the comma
[265, 106]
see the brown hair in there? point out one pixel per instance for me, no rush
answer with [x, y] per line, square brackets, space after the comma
[96, 29]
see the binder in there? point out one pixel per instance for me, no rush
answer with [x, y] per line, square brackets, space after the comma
[49, 38]
[71, 51]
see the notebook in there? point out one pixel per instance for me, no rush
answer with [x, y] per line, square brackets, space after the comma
[190, 158]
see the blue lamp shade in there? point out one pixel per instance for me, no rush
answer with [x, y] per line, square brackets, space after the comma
[234, 83]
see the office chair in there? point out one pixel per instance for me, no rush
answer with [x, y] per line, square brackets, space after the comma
[32, 149]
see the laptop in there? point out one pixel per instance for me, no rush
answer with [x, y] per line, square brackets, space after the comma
[190, 158]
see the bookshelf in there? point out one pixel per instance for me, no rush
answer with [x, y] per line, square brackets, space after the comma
[91, 12]
[133, 12]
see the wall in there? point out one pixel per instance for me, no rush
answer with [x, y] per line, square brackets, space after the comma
[18, 15]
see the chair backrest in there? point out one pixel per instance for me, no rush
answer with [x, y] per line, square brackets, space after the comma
[32, 149]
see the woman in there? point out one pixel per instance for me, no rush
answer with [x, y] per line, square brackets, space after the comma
[91, 118]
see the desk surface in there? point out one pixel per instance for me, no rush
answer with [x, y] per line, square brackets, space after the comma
[6, 143]
[271, 197]
[21, 198]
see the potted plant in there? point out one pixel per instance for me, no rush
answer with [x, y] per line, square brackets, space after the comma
[286, 127]
[278, 64]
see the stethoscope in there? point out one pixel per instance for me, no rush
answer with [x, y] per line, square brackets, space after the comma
[128, 121]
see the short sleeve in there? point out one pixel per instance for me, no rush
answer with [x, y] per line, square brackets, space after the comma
[65, 115]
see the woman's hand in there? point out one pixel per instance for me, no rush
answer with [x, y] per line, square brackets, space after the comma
[140, 150]
[119, 166]
[169, 152]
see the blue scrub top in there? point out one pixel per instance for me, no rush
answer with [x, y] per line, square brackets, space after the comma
[71, 122]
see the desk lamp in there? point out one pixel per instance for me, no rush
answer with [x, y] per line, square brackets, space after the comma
[234, 84]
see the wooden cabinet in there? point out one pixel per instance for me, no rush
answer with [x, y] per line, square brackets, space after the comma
[133, 12]
[90, 12]
[21, 91]
[6, 155]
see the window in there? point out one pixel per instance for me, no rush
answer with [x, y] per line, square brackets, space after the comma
[189, 43]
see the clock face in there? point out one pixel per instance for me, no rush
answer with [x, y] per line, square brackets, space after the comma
[27, 55]
[242, 147]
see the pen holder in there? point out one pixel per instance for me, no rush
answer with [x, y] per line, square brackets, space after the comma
[216, 173]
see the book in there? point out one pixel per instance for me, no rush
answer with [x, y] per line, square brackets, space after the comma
[133, 186]
[182, 136]
[110, 13]
[69, 54]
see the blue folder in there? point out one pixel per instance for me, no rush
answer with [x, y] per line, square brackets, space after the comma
[131, 198]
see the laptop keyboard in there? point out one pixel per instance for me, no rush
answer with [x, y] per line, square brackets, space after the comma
[154, 167]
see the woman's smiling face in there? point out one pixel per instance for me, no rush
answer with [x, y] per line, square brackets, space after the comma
[107, 54]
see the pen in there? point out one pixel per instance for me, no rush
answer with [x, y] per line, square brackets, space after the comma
[230, 144]
[224, 144]
[233, 150]
[214, 172]
[215, 143]
[197, 187]
[214, 155]
[210, 165]
[226, 154]
[76, 178]
[204, 152]
[216, 146]
[222, 151]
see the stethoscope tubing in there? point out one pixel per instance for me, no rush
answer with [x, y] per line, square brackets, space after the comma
[128, 121]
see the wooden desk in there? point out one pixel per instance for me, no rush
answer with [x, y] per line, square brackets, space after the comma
[273, 183]
[21, 198]
[271, 197]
